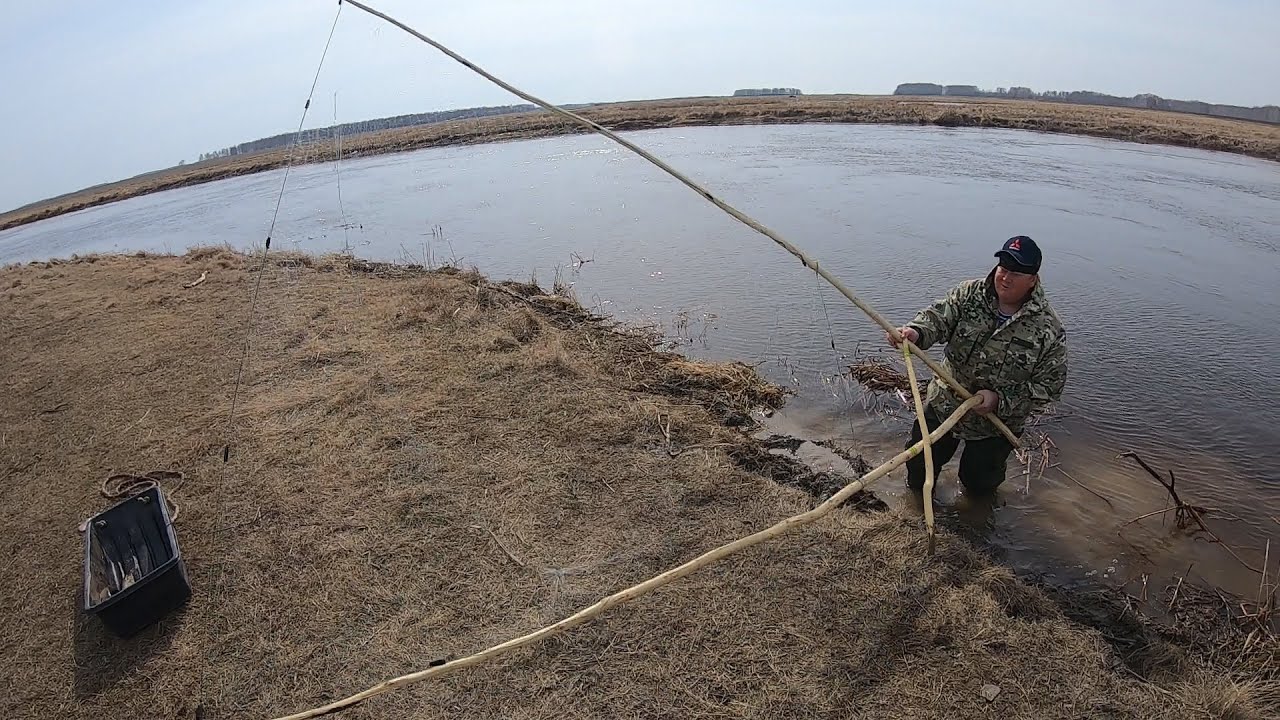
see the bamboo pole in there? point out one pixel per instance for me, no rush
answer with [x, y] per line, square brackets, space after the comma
[927, 449]
[738, 215]
[646, 587]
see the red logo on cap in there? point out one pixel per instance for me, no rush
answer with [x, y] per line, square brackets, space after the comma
[1016, 244]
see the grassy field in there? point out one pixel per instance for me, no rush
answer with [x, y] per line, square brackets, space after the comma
[425, 464]
[1147, 126]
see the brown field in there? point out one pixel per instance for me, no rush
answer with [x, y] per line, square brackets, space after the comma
[425, 465]
[1146, 126]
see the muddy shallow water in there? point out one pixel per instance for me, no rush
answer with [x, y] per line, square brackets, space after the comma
[1162, 263]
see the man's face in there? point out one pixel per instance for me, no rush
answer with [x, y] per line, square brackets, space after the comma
[1013, 287]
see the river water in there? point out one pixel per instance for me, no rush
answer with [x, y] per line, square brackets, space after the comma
[1162, 263]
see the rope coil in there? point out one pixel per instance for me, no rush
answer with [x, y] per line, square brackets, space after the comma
[123, 485]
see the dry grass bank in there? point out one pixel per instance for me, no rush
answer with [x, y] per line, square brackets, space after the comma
[1147, 126]
[425, 467]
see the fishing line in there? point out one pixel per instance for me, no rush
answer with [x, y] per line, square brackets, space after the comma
[768, 347]
[251, 330]
[831, 334]
[266, 247]
[337, 174]
[836, 357]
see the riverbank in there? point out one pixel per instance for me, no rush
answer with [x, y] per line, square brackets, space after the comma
[425, 464]
[1146, 126]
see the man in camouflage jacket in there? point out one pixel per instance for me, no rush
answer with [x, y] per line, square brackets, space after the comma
[1005, 344]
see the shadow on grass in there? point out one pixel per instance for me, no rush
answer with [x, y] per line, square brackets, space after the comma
[104, 659]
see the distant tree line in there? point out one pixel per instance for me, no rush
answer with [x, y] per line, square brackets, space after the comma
[1265, 113]
[748, 92]
[284, 140]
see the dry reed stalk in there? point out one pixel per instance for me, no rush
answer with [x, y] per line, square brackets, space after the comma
[1266, 602]
[644, 588]
[1037, 450]
[1177, 589]
[878, 376]
[928, 452]
[737, 214]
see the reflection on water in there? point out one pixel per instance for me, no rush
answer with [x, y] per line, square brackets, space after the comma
[1161, 262]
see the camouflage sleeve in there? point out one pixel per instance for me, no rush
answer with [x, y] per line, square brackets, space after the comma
[937, 322]
[1045, 385]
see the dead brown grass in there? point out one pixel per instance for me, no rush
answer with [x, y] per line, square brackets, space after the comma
[1146, 126]
[424, 467]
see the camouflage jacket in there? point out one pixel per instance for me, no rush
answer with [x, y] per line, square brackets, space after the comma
[1025, 360]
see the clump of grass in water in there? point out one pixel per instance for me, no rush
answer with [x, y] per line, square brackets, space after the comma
[431, 239]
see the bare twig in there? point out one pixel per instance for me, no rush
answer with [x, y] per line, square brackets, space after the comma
[1187, 513]
[1173, 600]
[135, 422]
[1266, 560]
[510, 554]
[1266, 604]
[1147, 515]
[1147, 683]
[1135, 548]
[245, 523]
[1104, 498]
[677, 452]
[666, 433]
[1231, 550]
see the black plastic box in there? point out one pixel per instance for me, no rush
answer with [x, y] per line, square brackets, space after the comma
[133, 570]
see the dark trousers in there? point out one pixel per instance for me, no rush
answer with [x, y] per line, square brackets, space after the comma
[982, 464]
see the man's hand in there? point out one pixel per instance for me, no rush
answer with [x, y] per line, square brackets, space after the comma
[990, 401]
[906, 332]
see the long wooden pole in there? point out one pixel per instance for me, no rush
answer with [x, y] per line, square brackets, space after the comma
[737, 214]
[648, 586]
[928, 452]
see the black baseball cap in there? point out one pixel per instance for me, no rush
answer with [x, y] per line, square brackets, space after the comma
[1020, 254]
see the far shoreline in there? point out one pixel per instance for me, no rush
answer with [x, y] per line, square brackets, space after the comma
[1252, 139]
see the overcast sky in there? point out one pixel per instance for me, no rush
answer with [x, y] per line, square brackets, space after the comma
[97, 91]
